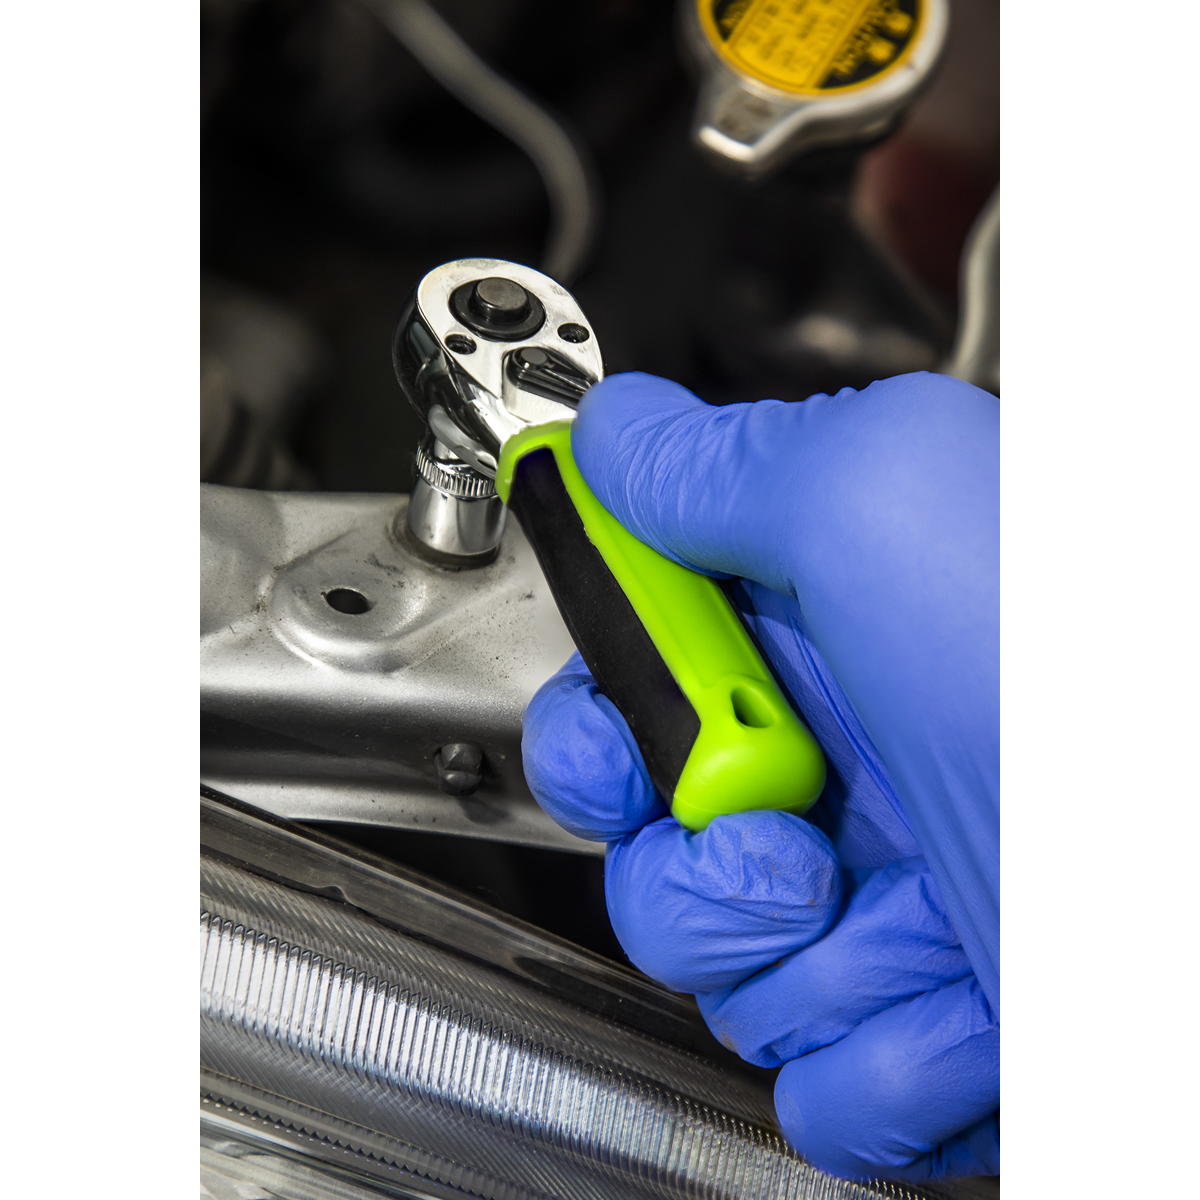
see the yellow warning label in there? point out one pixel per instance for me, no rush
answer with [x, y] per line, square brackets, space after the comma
[812, 47]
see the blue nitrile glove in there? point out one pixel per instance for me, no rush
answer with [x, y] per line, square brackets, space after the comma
[858, 949]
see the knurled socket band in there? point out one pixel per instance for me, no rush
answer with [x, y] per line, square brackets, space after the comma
[461, 480]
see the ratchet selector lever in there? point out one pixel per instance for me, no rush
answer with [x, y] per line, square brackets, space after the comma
[496, 357]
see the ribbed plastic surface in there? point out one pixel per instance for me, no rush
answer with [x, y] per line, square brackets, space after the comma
[458, 1073]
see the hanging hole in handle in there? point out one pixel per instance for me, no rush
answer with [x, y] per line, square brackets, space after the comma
[751, 709]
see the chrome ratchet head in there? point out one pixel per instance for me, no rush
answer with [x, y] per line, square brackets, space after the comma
[487, 348]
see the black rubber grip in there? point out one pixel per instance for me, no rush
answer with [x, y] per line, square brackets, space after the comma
[611, 639]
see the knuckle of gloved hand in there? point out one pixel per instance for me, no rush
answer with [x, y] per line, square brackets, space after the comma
[892, 943]
[900, 1086]
[861, 1141]
[835, 1147]
[704, 911]
[579, 767]
[935, 1058]
[774, 860]
[739, 1026]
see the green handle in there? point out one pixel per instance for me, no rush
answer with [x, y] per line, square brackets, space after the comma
[751, 751]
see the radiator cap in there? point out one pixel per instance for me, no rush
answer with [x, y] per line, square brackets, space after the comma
[781, 77]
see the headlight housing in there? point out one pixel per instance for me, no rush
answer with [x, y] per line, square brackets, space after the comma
[360, 1019]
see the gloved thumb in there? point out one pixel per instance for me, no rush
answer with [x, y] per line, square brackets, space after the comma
[771, 490]
[684, 477]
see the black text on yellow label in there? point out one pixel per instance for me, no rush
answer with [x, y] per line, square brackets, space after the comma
[812, 47]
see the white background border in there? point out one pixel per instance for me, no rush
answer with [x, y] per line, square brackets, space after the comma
[99, 271]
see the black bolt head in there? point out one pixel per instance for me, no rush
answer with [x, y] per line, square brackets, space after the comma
[460, 768]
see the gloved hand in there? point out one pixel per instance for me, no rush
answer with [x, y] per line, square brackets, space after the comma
[857, 949]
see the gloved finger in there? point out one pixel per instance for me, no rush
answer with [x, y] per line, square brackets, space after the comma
[581, 761]
[700, 911]
[893, 942]
[911, 1094]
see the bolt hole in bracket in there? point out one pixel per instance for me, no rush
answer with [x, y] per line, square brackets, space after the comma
[348, 601]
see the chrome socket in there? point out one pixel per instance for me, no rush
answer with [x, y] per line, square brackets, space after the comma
[454, 515]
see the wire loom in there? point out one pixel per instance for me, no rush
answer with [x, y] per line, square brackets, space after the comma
[323, 1020]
